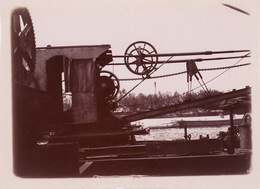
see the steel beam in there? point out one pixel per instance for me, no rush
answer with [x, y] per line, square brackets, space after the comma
[186, 105]
[186, 60]
[183, 54]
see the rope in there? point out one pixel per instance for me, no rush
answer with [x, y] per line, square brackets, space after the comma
[183, 72]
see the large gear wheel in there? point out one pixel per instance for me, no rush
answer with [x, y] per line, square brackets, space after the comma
[23, 47]
[138, 58]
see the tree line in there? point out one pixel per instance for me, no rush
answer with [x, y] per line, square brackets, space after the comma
[142, 102]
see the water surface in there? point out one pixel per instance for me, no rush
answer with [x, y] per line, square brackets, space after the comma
[178, 133]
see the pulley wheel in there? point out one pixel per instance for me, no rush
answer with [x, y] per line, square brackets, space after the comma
[140, 58]
[23, 47]
[109, 85]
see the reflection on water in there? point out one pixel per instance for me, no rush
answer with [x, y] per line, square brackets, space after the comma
[178, 133]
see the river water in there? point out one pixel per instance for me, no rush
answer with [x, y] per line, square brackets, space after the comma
[178, 133]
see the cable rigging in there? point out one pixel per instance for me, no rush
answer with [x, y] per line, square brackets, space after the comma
[141, 58]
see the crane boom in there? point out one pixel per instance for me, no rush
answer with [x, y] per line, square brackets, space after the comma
[186, 105]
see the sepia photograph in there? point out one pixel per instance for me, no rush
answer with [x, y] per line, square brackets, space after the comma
[156, 93]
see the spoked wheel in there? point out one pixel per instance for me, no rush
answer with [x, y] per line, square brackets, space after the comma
[140, 58]
[109, 84]
[23, 47]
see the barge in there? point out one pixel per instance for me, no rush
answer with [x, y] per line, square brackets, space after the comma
[206, 123]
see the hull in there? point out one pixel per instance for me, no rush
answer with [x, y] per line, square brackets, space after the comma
[161, 158]
[157, 158]
[221, 164]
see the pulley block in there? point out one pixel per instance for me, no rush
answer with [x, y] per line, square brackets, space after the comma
[140, 58]
[109, 85]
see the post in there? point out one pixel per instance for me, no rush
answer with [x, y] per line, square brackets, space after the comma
[245, 132]
[231, 121]
[231, 140]
[185, 132]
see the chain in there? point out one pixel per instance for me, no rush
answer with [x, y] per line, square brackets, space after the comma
[183, 72]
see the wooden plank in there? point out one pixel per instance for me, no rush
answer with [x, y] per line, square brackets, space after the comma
[109, 147]
[96, 134]
[85, 166]
[123, 155]
[114, 150]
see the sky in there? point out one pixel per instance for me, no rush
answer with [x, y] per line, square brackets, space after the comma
[170, 26]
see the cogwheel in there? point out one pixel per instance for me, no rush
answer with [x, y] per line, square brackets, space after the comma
[23, 47]
[137, 58]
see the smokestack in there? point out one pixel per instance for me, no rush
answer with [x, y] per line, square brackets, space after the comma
[155, 92]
